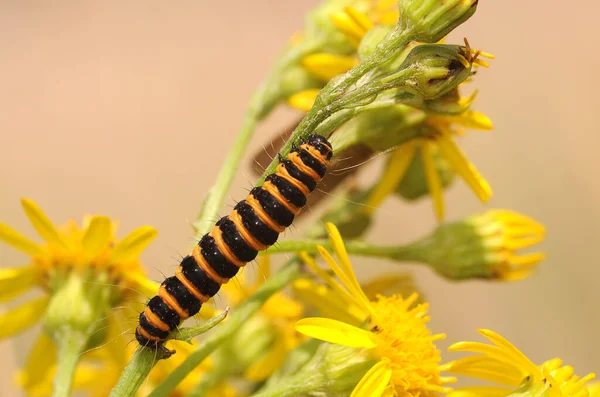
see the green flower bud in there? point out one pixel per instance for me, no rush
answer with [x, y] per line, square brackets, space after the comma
[372, 39]
[333, 371]
[296, 79]
[77, 307]
[437, 68]
[430, 20]
[381, 128]
[414, 183]
[484, 246]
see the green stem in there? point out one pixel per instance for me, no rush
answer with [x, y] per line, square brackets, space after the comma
[291, 387]
[144, 358]
[333, 98]
[413, 252]
[71, 344]
[278, 281]
[187, 333]
[135, 373]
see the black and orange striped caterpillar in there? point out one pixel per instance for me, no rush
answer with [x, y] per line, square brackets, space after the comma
[252, 226]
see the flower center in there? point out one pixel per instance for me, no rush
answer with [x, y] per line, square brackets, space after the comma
[403, 337]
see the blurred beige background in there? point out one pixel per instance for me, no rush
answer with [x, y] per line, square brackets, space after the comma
[128, 108]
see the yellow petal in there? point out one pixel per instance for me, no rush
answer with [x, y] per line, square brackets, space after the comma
[390, 284]
[41, 359]
[328, 302]
[354, 293]
[303, 100]
[142, 284]
[42, 224]
[521, 359]
[474, 120]
[133, 244]
[464, 168]
[433, 179]
[22, 317]
[335, 332]
[16, 240]
[393, 174]
[375, 381]
[14, 282]
[359, 18]
[97, 235]
[327, 66]
[340, 251]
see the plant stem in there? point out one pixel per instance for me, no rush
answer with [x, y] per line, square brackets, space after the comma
[71, 344]
[285, 275]
[331, 98]
[413, 252]
[135, 373]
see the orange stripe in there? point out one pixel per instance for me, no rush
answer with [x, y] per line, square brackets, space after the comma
[217, 234]
[249, 238]
[282, 172]
[206, 267]
[155, 320]
[146, 335]
[172, 302]
[269, 187]
[253, 202]
[297, 161]
[315, 153]
[189, 286]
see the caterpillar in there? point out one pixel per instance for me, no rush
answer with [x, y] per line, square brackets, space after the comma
[254, 224]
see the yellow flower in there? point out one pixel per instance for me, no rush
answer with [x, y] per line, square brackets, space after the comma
[396, 334]
[76, 261]
[260, 346]
[354, 22]
[502, 363]
[440, 142]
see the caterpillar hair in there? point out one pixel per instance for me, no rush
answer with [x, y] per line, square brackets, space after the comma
[254, 224]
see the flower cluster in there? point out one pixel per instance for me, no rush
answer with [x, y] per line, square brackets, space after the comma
[373, 78]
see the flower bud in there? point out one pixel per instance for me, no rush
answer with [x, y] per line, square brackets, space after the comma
[485, 246]
[438, 68]
[430, 20]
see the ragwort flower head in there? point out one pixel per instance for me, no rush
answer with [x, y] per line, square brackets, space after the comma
[84, 272]
[503, 364]
[394, 333]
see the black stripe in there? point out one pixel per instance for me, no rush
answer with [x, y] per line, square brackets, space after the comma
[186, 300]
[291, 193]
[295, 173]
[236, 243]
[143, 341]
[276, 211]
[150, 328]
[255, 226]
[321, 144]
[198, 277]
[216, 259]
[310, 161]
[164, 312]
